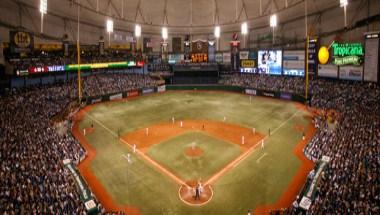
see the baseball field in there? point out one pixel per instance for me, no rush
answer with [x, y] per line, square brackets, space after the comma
[147, 154]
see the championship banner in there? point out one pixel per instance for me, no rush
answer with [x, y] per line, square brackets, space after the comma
[226, 57]
[176, 44]
[65, 48]
[199, 46]
[211, 51]
[2, 61]
[101, 47]
[21, 41]
[244, 55]
[147, 45]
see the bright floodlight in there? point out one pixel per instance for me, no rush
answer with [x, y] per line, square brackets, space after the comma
[244, 28]
[217, 31]
[165, 33]
[343, 3]
[273, 21]
[43, 6]
[109, 26]
[137, 30]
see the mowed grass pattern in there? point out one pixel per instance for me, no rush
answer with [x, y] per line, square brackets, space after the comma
[250, 184]
[216, 155]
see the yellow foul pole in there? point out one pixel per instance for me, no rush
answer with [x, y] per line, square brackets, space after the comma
[78, 56]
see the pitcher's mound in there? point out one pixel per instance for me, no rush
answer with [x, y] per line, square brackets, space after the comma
[187, 194]
[194, 151]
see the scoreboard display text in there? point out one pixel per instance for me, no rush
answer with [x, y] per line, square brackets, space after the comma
[199, 58]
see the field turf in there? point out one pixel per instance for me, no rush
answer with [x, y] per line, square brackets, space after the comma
[260, 179]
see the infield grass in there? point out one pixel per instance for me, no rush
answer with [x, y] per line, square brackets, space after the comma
[216, 155]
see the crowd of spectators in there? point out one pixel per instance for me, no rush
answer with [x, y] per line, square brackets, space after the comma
[33, 179]
[266, 82]
[114, 83]
[351, 182]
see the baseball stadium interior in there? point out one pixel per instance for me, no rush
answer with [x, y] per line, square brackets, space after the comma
[207, 107]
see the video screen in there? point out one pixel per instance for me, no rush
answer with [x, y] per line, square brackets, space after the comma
[270, 62]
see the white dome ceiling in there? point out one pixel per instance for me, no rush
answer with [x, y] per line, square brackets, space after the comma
[181, 16]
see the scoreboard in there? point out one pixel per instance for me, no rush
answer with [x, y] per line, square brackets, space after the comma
[199, 58]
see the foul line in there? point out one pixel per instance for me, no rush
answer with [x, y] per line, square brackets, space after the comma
[242, 157]
[216, 176]
[151, 161]
[258, 160]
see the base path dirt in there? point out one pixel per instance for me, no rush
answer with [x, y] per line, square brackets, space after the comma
[145, 137]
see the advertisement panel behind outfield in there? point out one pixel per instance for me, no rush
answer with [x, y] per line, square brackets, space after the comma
[93, 101]
[286, 96]
[294, 63]
[268, 94]
[133, 93]
[148, 90]
[116, 96]
[161, 88]
[328, 70]
[250, 92]
[354, 73]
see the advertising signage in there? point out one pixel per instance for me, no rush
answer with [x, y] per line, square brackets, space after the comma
[294, 62]
[372, 53]
[312, 56]
[347, 54]
[74, 67]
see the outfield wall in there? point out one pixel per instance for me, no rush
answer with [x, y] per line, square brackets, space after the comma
[163, 88]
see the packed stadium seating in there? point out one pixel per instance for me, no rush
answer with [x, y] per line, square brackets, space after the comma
[33, 179]
[32, 176]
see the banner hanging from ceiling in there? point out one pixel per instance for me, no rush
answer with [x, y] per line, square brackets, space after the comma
[21, 41]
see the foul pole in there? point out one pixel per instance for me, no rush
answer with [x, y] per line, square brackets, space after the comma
[78, 56]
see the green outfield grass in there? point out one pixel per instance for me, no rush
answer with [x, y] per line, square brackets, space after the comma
[250, 184]
[216, 155]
